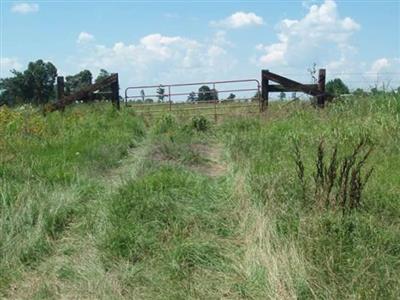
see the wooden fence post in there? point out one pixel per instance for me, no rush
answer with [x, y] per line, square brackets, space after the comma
[321, 88]
[264, 90]
[115, 93]
[60, 87]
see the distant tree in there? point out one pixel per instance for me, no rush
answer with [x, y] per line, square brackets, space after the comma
[282, 96]
[75, 82]
[102, 74]
[214, 94]
[161, 93]
[374, 91]
[192, 97]
[336, 87]
[294, 96]
[15, 89]
[35, 84]
[148, 100]
[231, 96]
[256, 97]
[359, 92]
[204, 94]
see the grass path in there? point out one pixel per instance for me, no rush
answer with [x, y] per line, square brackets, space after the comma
[74, 269]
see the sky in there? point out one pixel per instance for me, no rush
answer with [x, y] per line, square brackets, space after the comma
[162, 42]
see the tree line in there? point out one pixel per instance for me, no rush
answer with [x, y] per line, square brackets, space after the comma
[37, 84]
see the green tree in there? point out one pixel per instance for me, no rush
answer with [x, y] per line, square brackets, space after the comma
[76, 82]
[41, 77]
[161, 93]
[14, 90]
[192, 97]
[282, 96]
[35, 84]
[214, 94]
[231, 96]
[204, 94]
[102, 74]
[359, 92]
[336, 87]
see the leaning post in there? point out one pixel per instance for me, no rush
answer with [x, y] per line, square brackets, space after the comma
[321, 88]
[115, 93]
[60, 91]
[264, 90]
[60, 87]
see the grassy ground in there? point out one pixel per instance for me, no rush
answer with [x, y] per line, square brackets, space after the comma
[104, 204]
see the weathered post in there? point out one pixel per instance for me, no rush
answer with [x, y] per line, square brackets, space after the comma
[321, 88]
[115, 93]
[60, 87]
[264, 90]
[169, 98]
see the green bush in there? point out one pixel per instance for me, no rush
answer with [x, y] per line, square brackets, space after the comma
[200, 123]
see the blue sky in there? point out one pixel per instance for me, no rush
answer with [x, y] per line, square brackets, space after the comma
[152, 42]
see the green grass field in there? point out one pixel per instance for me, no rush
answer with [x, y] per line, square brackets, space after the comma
[104, 204]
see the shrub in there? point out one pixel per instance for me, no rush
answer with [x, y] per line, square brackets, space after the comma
[200, 123]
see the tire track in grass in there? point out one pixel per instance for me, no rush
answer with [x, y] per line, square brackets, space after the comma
[74, 270]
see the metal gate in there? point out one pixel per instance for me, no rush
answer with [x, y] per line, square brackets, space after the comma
[208, 98]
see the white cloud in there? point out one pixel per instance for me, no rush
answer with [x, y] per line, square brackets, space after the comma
[160, 58]
[25, 8]
[384, 70]
[238, 20]
[380, 65]
[9, 63]
[320, 35]
[85, 37]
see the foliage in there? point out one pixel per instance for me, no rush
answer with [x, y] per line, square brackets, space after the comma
[161, 93]
[231, 96]
[192, 97]
[35, 84]
[359, 92]
[47, 166]
[102, 75]
[207, 94]
[282, 96]
[95, 205]
[342, 256]
[200, 123]
[338, 182]
[336, 87]
[76, 82]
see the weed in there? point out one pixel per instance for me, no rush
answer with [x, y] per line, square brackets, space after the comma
[200, 123]
[345, 176]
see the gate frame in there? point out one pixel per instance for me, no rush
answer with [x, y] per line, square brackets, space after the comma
[211, 84]
[289, 85]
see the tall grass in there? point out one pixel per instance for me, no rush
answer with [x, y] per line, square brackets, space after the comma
[260, 229]
[47, 166]
[341, 256]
